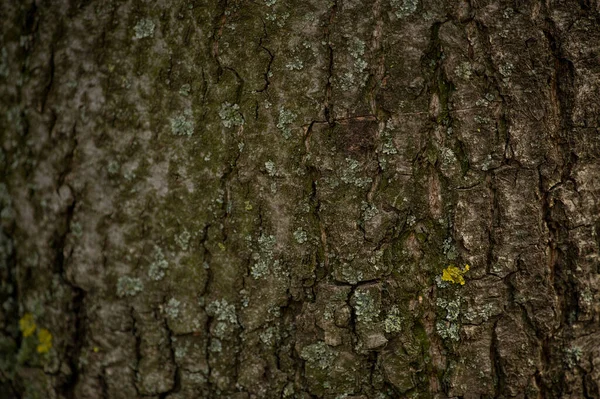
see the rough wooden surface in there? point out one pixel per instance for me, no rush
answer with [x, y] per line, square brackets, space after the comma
[258, 199]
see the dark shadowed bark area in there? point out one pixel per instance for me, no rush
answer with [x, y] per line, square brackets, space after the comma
[280, 198]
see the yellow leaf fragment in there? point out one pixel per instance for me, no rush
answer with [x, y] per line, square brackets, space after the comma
[454, 275]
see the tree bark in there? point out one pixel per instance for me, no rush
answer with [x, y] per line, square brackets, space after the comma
[280, 198]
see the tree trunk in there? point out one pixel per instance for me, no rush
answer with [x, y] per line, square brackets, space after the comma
[280, 198]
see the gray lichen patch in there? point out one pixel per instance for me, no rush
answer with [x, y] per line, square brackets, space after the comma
[144, 28]
[215, 345]
[366, 302]
[300, 235]
[230, 115]
[159, 266]
[183, 124]
[286, 118]
[404, 8]
[355, 76]
[350, 174]
[369, 211]
[572, 356]
[222, 311]
[172, 308]
[185, 89]
[270, 167]
[129, 286]
[449, 328]
[464, 70]
[318, 354]
[264, 258]
[183, 240]
[295, 65]
[393, 321]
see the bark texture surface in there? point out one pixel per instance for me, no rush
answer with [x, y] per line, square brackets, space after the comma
[279, 198]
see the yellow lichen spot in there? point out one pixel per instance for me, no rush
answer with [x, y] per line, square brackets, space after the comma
[45, 341]
[454, 275]
[222, 246]
[96, 349]
[248, 205]
[27, 325]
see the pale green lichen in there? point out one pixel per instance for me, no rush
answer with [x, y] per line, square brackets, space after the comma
[270, 167]
[357, 51]
[369, 211]
[222, 311]
[356, 76]
[586, 297]
[388, 147]
[480, 313]
[129, 174]
[182, 124]
[181, 350]
[508, 13]
[351, 274]
[289, 391]
[464, 70]
[319, 354]
[76, 229]
[286, 118]
[440, 283]
[365, 306]
[452, 308]
[144, 28]
[295, 65]
[129, 286]
[185, 89]
[482, 120]
[157, 268]
[573, 356]
[259, 269]
[230, 115]
[215, 345]
[269, 336]
[375, 258]
[448, 157]
[279, 19]
[300, 236]
[113, 168]
[183, 240]
[404, 8]
[506, 70]
[263, 259]
[349, 174]
[172, 308]
[449, 328]
[220, 329]
[449, 249]
[393, 321]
